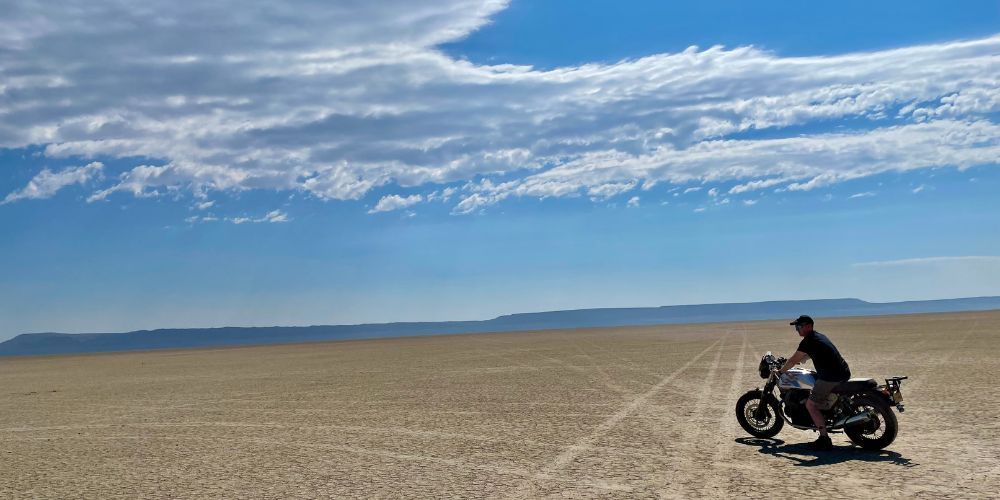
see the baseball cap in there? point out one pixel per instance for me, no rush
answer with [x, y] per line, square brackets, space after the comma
[802, 320]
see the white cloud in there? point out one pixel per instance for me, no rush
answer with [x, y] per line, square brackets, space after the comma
[866, 194]
[633, 202]
[854, 155]
[691, 190]
[713, 192]
[395, 202]
[982, 260]
[919, 189]
[750, 203]
[357, 96]
[205, 205]
[47, 183]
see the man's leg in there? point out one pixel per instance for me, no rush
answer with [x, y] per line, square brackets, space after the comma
[818, 420]
[819, 400]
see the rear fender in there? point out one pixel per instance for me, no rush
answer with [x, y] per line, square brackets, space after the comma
[876, 394]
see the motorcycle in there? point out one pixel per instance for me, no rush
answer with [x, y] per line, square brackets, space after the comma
[862, 410]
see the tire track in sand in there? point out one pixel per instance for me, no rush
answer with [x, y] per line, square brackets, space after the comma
[494, 470]
[681, 485]
[626, 363]
[718, 480]
[584, 443]
[602, 377]
[598, 366]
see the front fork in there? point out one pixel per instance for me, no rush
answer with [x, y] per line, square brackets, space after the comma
[761, 412]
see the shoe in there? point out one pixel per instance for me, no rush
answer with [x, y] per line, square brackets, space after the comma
[822, 444]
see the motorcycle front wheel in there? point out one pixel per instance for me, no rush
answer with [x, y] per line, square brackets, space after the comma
[764, 425]
[880, 431]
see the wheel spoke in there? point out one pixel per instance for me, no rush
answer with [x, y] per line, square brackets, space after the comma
[758, 416]
[750, 412]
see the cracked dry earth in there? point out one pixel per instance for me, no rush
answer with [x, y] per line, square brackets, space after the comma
[637, 412]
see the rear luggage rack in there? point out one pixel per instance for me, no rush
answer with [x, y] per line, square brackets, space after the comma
[891, 390]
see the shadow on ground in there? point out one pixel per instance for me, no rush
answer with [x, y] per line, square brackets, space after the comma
[803, 456]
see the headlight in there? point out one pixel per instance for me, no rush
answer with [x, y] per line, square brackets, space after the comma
[764, 368]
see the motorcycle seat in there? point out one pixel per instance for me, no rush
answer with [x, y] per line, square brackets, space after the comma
[855, 385]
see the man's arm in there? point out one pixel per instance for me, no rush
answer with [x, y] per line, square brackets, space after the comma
[796, 358]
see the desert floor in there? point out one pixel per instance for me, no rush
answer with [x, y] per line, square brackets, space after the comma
[611, 413]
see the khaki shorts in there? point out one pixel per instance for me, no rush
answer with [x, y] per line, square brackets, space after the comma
[821, 395]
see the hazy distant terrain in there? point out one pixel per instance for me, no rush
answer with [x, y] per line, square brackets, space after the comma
[636, 412]
[56, 343]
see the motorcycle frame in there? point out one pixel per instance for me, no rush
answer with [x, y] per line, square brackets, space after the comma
[768, 389]
[890, 392]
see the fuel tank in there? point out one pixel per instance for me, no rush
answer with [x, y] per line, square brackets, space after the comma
[797, 378]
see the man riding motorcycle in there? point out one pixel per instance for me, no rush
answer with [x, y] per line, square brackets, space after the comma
[831, 370]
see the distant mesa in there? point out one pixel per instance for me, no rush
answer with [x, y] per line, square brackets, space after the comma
[34, 344]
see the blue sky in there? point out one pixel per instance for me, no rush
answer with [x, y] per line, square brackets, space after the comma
[477, 157]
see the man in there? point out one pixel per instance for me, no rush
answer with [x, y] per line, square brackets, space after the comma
[831, 370]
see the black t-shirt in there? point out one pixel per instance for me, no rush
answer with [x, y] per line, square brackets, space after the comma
[830, 365]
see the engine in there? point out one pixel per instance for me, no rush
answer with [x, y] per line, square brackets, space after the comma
[795, 407]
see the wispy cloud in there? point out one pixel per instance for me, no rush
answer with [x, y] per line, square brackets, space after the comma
[201, 218]
[919, 189]
[47, 183]
[925, 261]
[271, 217]
[244, 103]
[442, 195]
[866, 194]
[274, 216]
[754, 185]
[608, 190]
[633, 202]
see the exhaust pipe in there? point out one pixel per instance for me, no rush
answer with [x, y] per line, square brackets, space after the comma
[860, 418]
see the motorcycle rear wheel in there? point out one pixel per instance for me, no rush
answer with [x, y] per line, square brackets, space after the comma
[878, 433]
[767, 426]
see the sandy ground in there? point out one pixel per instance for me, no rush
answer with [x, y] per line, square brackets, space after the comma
[610, 413]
